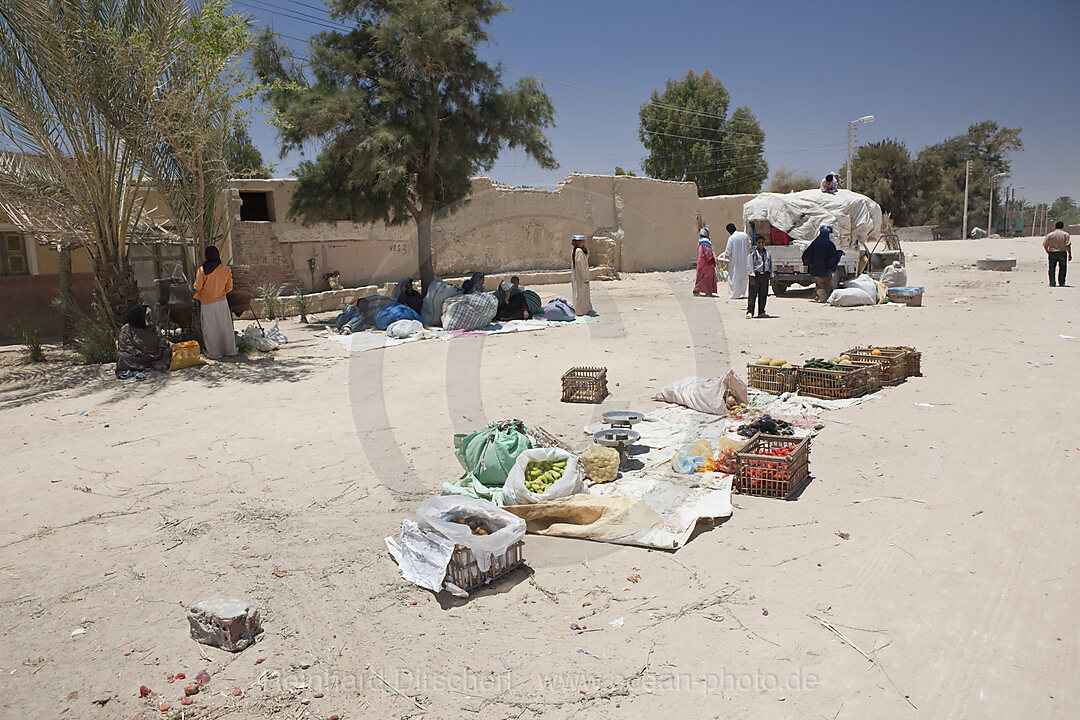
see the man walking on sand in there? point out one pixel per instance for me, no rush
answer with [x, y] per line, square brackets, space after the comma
[1058, 249]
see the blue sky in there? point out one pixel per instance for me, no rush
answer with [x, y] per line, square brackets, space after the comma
[925, 69]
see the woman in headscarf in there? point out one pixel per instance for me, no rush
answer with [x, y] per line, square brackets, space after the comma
[141, 346]
[407, 295]
[822, 257]
[579, 277]
[512, 303]
[706, 265]
[212, 282]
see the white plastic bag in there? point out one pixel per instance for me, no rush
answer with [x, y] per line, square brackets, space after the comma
[265, 344]
[895, 275]
[438, 514]
[705, 395]
[863, 282]
[851, 297]
[405, 329]
[276, 335]
[571, 482]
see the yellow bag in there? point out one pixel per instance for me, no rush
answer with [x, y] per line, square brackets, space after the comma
[185, 354]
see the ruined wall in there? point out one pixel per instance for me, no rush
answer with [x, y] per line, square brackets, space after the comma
[637, 225]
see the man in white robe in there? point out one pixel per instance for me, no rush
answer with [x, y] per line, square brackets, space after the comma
[736, 254]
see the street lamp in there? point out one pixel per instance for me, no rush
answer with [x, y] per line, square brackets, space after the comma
[850, 137]
[990, 212]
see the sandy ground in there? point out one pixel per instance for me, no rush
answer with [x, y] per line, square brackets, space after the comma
[277, 478]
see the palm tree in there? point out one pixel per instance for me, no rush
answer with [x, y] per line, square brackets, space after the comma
[58, 88]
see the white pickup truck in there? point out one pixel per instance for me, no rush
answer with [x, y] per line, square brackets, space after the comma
[855, 219]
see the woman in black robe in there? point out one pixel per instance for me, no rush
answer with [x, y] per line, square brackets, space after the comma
[141, 346]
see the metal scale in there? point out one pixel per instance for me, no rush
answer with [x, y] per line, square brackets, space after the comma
[621, 434]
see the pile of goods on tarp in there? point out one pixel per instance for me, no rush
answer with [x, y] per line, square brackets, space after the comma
[715, 396]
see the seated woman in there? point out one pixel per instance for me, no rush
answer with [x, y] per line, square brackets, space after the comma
[474, 284]
[141, 346]
[512, 304]
[407, 295]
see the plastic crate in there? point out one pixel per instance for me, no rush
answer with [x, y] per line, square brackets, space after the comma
[770, 475]
[840, 384]
[584, 385]
[466, 574]
[775, 380]
[906, 357]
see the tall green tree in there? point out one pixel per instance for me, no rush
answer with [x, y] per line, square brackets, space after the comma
[242, 157]
[58, 62]
[689, 136]
[940, 173]
[404, 109]
[885, 172]
[1065, 210]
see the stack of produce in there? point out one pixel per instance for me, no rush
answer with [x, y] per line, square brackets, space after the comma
[773, 362]
[601, 463]
[542, 474]
[841, 363]
[760, 470]
[476, 526]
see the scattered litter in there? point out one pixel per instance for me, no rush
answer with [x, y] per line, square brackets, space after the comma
[843, 535]
[959, 300]
[237, 692]
[1018, 666]
[977, 512]
[279, 573]
[765, 612]
[143, 691]
[202, 678]
[922, 404]
[1037, 364]
[504, 663]
[192, 689]
[616, 623]
[575, 626]
[586, 652]
[1066, 337]
[634, 578]
[77, 632]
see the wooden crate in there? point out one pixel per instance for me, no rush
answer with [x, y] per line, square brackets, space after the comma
[466, 574]
[771, 379]
[840, 384]
[770, 475]
[908, 357]
[584, 385]
[893, 369]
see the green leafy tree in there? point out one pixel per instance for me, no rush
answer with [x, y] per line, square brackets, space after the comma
[785, 181]
[405, 110]
[689, 136]
[187, 121]
[1065, 210]
[75, 166]
[885, 172]
[940, 172]
[242, 157]
[620, 171]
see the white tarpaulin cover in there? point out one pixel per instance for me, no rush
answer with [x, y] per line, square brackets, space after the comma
[854, 217]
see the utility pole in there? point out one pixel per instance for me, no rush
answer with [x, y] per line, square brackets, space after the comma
[850, 138]
[967, 175]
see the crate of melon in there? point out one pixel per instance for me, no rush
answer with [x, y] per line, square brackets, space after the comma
[772, 466]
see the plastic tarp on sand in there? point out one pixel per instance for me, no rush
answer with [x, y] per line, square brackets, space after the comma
[854, 217]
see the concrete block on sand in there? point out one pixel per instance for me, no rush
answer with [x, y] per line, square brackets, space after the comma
[224, 622]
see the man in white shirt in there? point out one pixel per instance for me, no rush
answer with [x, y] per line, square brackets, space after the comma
[759, 270]
[736, 252]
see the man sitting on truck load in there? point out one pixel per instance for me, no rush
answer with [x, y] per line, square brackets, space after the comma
[822, 258]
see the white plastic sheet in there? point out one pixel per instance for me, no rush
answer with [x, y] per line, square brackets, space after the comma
[705, 395]
[801, 214]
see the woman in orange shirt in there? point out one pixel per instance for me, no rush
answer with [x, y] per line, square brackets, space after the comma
[212, 281]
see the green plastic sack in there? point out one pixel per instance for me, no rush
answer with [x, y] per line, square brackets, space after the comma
[489, 454]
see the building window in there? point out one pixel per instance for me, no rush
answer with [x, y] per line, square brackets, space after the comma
[257, 206]
[13, 255]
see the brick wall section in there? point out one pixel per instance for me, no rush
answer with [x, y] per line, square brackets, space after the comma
[30, 296]
[256, 244]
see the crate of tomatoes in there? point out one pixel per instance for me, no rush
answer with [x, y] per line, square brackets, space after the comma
[773, 466]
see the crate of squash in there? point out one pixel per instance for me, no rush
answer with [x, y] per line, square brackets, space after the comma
[897, 362]
[773, 375]
[775, 466]
[838, 379]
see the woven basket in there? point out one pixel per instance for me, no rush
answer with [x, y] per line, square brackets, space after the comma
[840, 384]
[769, 475]
[584, 384]
[466, 574]
[772, 379]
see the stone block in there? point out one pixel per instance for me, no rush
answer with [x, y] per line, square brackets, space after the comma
[224, 622]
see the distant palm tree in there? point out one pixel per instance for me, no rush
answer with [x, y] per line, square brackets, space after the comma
[58, 82]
